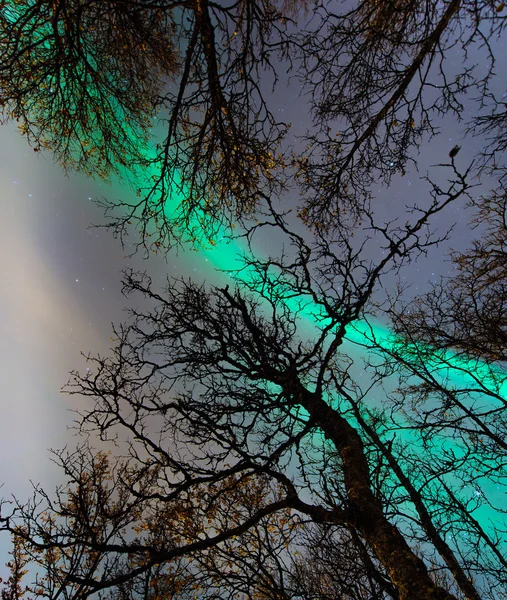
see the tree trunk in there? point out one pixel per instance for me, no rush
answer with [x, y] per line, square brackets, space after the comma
[406, 570]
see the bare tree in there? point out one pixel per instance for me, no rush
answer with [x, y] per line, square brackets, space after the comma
[381, 76]
[237, 428]
[85, 79]
[448, 352]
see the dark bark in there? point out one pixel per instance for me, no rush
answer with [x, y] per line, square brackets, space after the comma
[407, 571]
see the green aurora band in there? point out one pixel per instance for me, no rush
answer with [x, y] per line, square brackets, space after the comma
[225, 255]
[456, 372]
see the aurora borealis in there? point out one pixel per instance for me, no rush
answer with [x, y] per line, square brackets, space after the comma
[62, 290]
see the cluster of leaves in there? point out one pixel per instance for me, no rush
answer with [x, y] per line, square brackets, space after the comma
[82, 78]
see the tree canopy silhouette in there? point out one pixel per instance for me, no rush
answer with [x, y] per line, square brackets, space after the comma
[86, 78]
[266, 440]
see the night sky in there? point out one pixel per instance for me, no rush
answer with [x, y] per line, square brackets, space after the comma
[61, 291]
[61, 287]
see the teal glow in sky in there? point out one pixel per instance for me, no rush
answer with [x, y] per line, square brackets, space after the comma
[473, 374]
